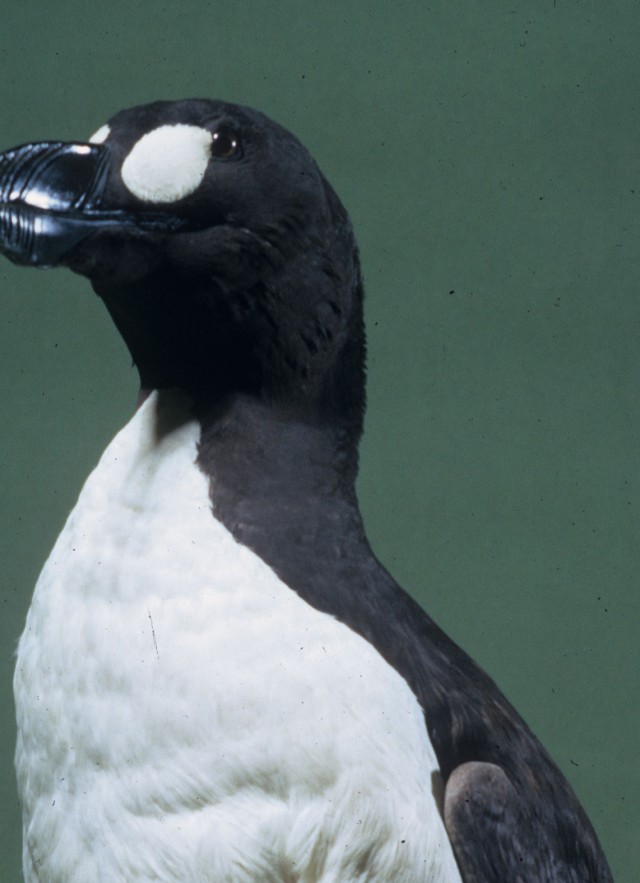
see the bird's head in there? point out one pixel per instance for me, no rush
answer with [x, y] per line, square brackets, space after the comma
[223, 255]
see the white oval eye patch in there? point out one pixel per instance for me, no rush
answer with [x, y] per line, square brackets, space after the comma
[168, 163]
[101, 135]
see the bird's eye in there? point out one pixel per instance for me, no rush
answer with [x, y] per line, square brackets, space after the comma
[225, 144]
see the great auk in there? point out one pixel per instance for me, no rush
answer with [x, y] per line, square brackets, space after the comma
[217, 680]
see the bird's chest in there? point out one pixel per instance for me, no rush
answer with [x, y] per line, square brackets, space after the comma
[172, 692]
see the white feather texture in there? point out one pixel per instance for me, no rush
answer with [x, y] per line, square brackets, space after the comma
[167, 163]
[101, 135]
[185, 716]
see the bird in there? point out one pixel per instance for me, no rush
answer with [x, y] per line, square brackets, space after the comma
[217, 679]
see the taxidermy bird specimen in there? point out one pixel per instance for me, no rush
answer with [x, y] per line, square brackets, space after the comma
[217, 680]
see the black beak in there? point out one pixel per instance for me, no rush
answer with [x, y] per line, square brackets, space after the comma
[50, 200]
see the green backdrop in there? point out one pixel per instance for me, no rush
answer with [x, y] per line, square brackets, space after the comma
[489, 156]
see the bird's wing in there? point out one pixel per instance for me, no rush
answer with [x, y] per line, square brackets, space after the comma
[495, 836]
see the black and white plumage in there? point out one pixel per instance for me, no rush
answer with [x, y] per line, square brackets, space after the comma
[218, 681]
